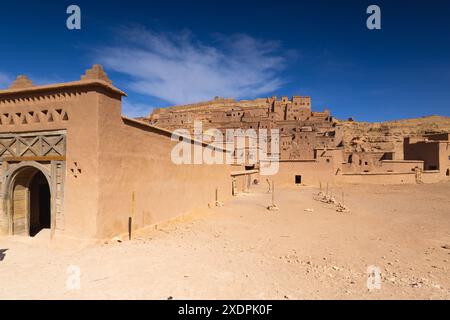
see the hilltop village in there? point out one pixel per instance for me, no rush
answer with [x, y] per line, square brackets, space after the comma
[312, 144]
[301, 130]
[76, 171]
[67, 142]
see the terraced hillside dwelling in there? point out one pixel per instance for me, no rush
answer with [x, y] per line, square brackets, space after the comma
[302, 130]
[73, 165]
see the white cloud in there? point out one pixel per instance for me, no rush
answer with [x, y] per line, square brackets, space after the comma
[178, 68]
[5, 80]
[134, 110]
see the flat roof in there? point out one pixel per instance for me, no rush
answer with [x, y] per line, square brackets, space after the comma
[60, 86]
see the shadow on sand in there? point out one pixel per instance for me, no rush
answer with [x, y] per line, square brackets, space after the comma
[2, 254]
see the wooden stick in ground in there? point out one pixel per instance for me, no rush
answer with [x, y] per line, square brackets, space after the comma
[270, 186]
[133, 214]
[130, 223]
[273, 193]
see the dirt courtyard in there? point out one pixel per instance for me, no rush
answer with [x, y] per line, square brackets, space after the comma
[243, 251]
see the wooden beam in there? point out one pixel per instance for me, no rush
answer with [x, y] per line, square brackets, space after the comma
[47, 158]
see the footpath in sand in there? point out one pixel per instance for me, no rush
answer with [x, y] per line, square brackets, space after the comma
[244, 251]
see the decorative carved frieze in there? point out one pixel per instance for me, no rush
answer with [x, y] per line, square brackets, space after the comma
[30, 117]
[29, 145]
[40, 98]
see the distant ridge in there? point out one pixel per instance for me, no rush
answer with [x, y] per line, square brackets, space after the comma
[389, 135]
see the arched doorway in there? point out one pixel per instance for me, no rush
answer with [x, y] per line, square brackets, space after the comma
[30, 202]
[39, 204]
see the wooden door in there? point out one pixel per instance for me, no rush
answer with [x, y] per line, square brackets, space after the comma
[20, 207]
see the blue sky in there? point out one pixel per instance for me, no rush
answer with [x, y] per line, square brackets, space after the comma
[168, 52]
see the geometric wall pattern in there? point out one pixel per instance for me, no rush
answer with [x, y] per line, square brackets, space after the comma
[32, 145]
[23, 118]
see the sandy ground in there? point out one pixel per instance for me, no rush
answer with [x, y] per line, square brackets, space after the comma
[243, 251]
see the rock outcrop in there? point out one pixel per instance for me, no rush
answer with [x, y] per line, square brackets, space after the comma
[388, 136]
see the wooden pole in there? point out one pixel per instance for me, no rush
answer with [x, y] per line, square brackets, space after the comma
[130, 221]
[273, 193]
[133, 203]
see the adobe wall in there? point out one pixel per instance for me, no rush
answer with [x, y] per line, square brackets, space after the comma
[103, 168]
[327, 168]
[401, 165]
[433, 177]
[444, 158]
[378, 178]
[241, 184]
[426, 151]
[313, 172]
[138, 179]
[71, 111]
[434, 151]
[242, 180]
[391, 178]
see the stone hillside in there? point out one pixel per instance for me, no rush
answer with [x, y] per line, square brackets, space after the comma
[388, 136]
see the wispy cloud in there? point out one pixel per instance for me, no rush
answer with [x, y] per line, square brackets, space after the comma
[179, 68]
[5, 80]
[135, 109]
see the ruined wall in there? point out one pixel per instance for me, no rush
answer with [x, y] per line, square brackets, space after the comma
[425, 151]
[378, 178]
[388, 136]
[401, 165]
[444, 158]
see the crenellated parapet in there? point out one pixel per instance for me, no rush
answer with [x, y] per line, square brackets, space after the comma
[21, 82]
[96, 73]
